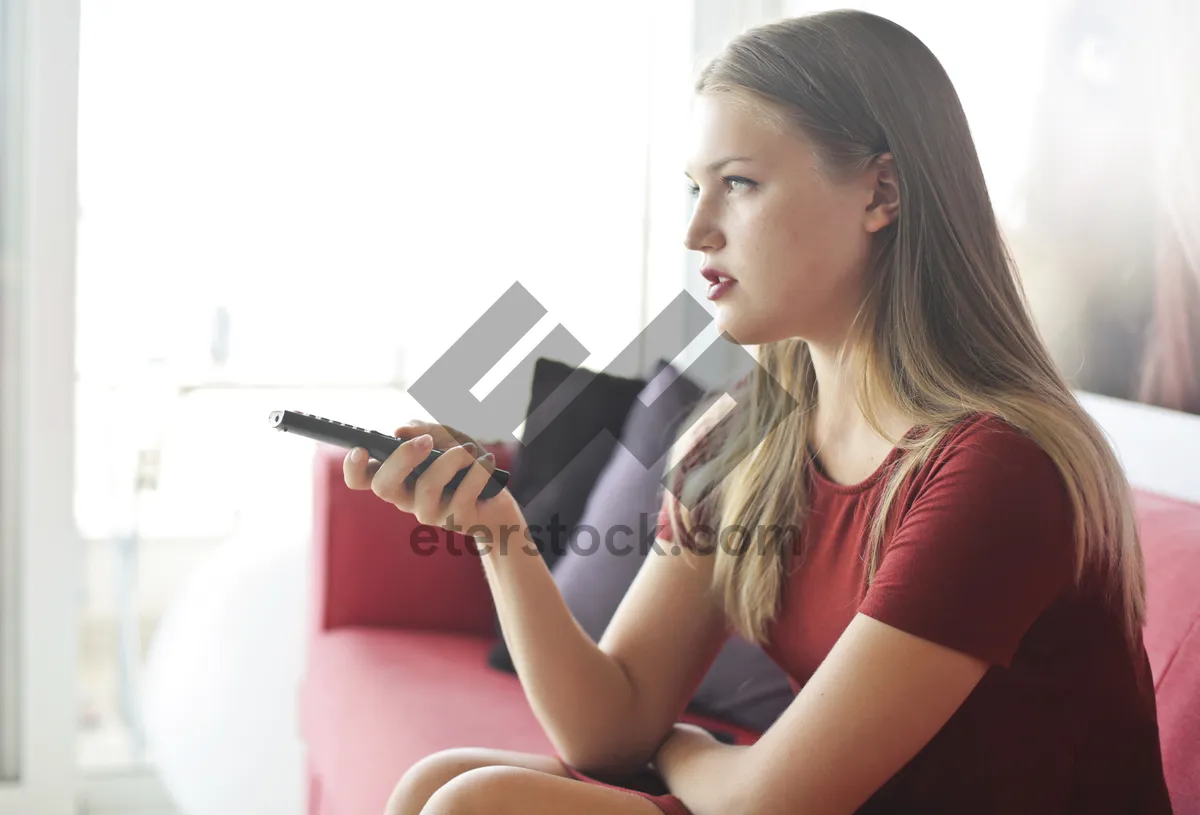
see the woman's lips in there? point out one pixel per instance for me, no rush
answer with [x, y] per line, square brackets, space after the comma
[718, 282]
[719, 288]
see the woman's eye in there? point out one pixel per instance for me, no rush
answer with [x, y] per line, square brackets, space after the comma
[729, 181]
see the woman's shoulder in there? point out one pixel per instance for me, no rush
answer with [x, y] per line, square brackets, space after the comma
[985, 449]
[700, 440]
[990, 433]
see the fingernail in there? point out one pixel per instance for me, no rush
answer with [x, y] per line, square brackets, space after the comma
[470, 447]
[490, 457]
[356, 455]
[424, 441]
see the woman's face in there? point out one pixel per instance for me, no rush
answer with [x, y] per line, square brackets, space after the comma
[795, 245]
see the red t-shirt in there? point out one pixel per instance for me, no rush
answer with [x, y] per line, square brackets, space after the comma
[979, 557]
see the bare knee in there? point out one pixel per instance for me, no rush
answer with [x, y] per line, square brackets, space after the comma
[423, 779]
[477, 791]
[435, 771]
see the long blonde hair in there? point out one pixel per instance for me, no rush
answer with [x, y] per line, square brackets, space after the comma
[944, 330]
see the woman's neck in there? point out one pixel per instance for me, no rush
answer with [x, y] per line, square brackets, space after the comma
[848, 448]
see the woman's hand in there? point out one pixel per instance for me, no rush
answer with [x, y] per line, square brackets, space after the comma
[682, 737]
[496, 520]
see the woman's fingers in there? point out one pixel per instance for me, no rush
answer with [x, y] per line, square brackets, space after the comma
[444, 436]
[462, 502]
[359, 473]
[388, 482]
[425, 496]
[429, 499]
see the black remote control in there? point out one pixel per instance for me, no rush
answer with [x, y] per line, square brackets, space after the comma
[378, 445]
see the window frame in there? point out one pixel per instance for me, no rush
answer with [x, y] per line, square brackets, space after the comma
[40, 51]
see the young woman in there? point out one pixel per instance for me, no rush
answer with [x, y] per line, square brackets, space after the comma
[962, 609]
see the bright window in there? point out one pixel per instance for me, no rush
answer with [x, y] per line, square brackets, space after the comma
[301, 205]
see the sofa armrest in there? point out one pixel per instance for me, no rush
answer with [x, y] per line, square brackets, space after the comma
[375, 566]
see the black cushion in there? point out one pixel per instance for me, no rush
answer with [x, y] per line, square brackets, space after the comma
[572, 425]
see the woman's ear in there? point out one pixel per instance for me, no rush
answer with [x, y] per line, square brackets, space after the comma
[885, 203]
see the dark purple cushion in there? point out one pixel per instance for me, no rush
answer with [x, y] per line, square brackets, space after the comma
[743, 686]
[562, 454]
[566, 446]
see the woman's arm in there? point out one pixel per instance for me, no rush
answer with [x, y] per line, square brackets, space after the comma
[605, 707]
[876, 700]
[692, 761]
[608, 706]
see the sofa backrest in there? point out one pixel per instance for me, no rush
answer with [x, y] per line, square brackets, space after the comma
[369, 564]
[1170, 535]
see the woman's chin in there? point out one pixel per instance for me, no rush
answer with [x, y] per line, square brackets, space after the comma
[741, 329]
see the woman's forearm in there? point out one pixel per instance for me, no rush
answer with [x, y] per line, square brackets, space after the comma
[581, 696]
[701, 772]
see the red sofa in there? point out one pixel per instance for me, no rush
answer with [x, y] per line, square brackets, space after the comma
[396, 666]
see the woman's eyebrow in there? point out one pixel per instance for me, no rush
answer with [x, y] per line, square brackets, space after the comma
[719, 163]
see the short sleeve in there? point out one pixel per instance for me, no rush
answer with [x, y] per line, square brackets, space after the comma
[698, 445]
[670, 508]
[984, 547]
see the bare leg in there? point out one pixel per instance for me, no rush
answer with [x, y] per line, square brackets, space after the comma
[431, 773]
[519, 791]
[499, 782]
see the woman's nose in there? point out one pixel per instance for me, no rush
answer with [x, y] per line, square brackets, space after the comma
[702, 235]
